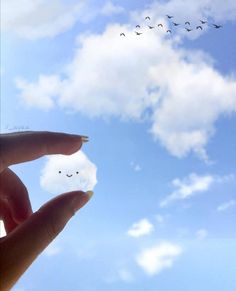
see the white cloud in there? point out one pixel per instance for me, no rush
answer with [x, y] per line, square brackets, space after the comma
[201, 233]
[42, 94]
[141, 228]
[162, 219]
[2, 229]
[110, 8]
[193, 184]
[136, 167]
[192, 10]
[153, 260]
[188, 187]
[125, 275]
[53, 181]
[40, 18]
[142, 78]
[226, 205]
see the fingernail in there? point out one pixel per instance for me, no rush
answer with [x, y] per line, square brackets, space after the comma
[90, 194]
[79, 201]
[84, 138]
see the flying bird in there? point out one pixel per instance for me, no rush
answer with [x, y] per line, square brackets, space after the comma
[147, 17]
[203, 22]
[187, 22]
[138, 33]
[168, 31]
[151, 27]
[137, 26]
[199, 27]
[169, 16]
[176, 24]
[217, 26]
[160, 25]
[188, 29]
[122, 34]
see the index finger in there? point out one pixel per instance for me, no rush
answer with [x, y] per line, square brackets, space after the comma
[29, 145]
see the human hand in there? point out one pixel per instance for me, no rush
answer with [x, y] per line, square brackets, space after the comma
[28, 234]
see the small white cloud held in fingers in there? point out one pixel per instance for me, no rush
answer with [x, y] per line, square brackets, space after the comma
[63, 173]
[140, 228]
[153, 260]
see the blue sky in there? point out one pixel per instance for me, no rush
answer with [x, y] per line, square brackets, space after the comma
[160, 114]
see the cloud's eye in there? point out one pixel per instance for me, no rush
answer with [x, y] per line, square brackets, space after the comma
[77, 172]
[59, 172]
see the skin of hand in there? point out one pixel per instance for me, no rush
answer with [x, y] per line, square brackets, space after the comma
[28, 233]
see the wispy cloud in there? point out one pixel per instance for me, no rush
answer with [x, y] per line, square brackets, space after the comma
[63, 173]
[141, 228]
[39, 19]
[192, 185]
[192, 10]
[162, 219]
[135, 166]
[188, 187]
[226, 205]
[125, 275]
[201, 233]
[155, 259]
[110, 8]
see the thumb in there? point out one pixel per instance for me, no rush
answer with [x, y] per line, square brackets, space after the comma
[21, 247]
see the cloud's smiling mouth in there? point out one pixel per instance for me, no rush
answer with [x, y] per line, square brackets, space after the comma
[69, 176]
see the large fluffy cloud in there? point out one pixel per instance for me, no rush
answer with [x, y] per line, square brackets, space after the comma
[154, 259]
[146, 77]
[67, 173]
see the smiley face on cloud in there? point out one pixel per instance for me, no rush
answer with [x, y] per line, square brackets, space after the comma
[63, 173]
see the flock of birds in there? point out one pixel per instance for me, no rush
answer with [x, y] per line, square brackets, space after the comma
[187, 25]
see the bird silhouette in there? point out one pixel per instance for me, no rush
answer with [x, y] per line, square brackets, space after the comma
[169, 31]
[137, 26]
[169, 16]
[151, 27]
[160, 25]
[122, 34]
[138, 33]
[147, 17]
[176, 24]
[188, 29]
[199, 27]
[203, 22]
[217, 26]
[187, 22]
